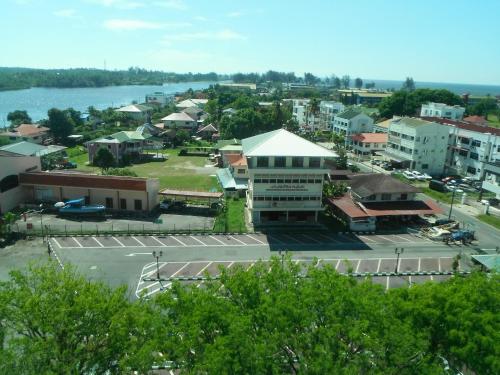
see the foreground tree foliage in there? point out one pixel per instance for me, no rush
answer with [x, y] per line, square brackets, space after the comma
[268, 320]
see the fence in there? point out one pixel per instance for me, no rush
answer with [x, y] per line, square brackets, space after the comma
[147, 228]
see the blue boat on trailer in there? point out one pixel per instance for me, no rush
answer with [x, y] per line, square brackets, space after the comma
[78, 207]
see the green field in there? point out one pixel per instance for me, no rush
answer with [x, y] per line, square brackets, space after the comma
[177, 172]
[494, 120]
[233, 218]
[490, 219]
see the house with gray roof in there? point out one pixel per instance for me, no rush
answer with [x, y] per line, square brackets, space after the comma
[352, 121]
[137, 111]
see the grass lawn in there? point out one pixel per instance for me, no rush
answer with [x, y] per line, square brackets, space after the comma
[178, 172]
[490, 219]
[494, 120]
[233, 218]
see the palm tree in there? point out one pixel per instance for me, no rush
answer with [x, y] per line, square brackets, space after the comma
[312, 108]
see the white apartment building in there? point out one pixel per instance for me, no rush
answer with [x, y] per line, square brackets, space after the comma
[364, 145]
[418, 145]
[285, 177]
[299, 111]
[492, 177]
[158, 98]
[452, 112]
[352, 121]
[327, 112]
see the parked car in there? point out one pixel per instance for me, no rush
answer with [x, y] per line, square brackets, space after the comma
[409, 175]
[491, 201]
[387, 167]
[427, 177]
[437, 185]
[449, 178]
[166, 204]
[419, 176]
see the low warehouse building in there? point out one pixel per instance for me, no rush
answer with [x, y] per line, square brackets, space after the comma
[114, 192]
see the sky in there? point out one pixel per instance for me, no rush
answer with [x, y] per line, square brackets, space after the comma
[429, 40]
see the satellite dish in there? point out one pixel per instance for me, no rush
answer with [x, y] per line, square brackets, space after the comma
[59, 204]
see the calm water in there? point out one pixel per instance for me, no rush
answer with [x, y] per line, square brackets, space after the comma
[37, 101]
[457, 88]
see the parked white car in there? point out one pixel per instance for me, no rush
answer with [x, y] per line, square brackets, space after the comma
[419, 176]
[427, 177]
[409, 175]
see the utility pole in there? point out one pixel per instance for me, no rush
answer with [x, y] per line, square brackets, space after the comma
[398, 251]
[157, 256]
[451, 205]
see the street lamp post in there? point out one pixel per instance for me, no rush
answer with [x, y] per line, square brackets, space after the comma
[452, 200]
[157, 256]
[282, 255]
[41, 218]
[398, 251]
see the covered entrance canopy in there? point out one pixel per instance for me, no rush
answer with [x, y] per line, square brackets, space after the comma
[206, 196]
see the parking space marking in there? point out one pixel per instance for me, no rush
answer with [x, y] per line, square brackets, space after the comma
[182, 243]
[216, 239]
[378, 265]
[203, 269]
[253, 238]
[403, 238]
[357, 266]
[275, 238]
[365, 238]
[57, 243]
[180, 269]
[387, 284]
[439, 264]
[238, 240]
[139, 242]
[385, 238]
[419, 262]
[116, 239]
[76, 241]
[194, 238]
[157, 240]
[100, 244]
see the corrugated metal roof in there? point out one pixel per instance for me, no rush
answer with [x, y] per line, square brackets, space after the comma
[283, 143]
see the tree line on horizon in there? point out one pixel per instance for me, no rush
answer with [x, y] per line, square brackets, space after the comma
[275, 318]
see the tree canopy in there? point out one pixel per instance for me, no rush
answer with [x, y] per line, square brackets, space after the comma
[18, 117]
[408, 103]
[104, 159]
[60, 123]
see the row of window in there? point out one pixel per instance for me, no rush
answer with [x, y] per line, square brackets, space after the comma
[123, 204]
[280, 162]
[289, 198]
[287, 181]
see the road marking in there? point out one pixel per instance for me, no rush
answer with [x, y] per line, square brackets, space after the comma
[406, 239]
[230, 264]
[357, 266]
[119, 242]
[277, 239]
[367, 239]
[385, 238]
[194, 238]
[238, 240]
[337, 265]
[180, 269]
[57, 243]
[203, 269]
[216, 239]
[409, 280]
[250, 266]
[78, 243]
[439, 264]
[398, 263]
[140, 243]
[419, 261]
[152, 264]
[253, 238]
[378, 265]
[157, 240]
[138, 291]
[293, 238]
[387, 283]
[100, 244]
[182, 243]
[129, 255]
[312, 239]
[432, 278]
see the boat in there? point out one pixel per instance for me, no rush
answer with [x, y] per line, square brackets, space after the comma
[78, 206]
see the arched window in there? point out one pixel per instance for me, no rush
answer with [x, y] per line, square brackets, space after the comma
[9, 182]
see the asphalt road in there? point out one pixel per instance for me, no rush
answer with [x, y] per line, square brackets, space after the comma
[121, 260]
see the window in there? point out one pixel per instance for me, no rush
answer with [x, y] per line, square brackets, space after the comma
[262, 162]
[303, 181]
[138, 204]
[403, 197]
[425, 166]
[386, 196]
[257, 181]
[295, 181]
[297, 162]
[465, 141]
[288, 181]
[371, 197]
[318, 181]
[275, 198]
[265, 181]
[280, 181]
[463, 152]
[9, 182]
[314, 162]
[241, 171]
[109, 202]
[476, 143]
[123, 204]
[272, 180]
[474, 155]
[471, 170]
[280, 162]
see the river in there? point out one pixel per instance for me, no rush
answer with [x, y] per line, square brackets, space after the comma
[37, 101]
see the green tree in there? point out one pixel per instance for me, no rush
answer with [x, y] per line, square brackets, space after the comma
[18, 117]
[57, 322]
[358, 83]
[104, 159]
[346, 80]
[484, 107]
[408, 84]
[312, 109]
[181, 136]
[334, 189]
[60, 124]
[120, 172]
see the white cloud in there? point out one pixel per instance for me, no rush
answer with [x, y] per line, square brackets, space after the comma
[65, 13]
[223, 35]
[172, 4]
[120, 4]
[127, 24]
[235, 14]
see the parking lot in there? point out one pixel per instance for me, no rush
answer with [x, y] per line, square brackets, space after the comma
[191, 272]
[313, 240]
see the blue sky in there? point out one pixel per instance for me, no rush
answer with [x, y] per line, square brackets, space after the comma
[443, 41]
